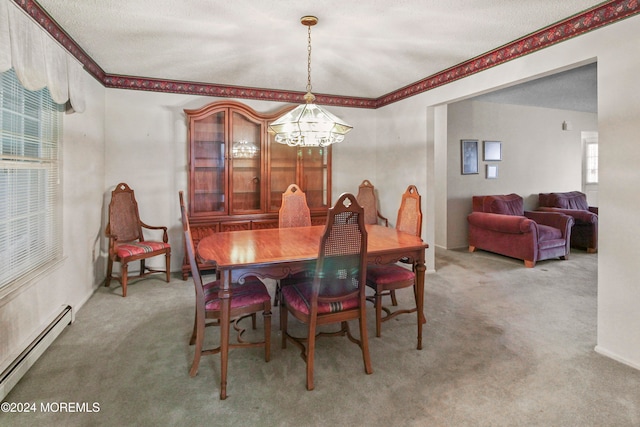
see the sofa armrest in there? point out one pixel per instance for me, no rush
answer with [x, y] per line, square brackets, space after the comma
[580, 216]
[552, 219]
[501, 223]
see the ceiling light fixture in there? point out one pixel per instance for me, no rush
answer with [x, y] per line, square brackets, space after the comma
[309, 125]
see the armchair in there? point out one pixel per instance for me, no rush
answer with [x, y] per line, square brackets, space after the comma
[584, 233]
[500, 224]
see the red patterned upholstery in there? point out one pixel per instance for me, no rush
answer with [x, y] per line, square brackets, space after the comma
[386, 275]
[298, 296]
[138, 248]
[251, 292]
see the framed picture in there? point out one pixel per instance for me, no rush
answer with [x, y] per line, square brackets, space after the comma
[469, 152]
[492, 150]
[492, 171]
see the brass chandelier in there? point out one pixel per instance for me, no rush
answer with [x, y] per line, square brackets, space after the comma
[309, 125]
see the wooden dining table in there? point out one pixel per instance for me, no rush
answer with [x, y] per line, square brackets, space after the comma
[275, 253]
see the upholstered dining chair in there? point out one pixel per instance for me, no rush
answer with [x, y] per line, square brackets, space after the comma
[368, 200]
[247, 299]
[385, 279]
[335, 293]
[127, 242]
[294, 212]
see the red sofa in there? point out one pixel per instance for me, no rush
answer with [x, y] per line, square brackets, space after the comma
[499, 224]
[584, 233]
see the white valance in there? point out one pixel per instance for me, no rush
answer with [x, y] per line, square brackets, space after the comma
[38, 59]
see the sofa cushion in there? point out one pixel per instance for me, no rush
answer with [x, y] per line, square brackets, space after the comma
[510, 204]
[567, 200]
[546, 232]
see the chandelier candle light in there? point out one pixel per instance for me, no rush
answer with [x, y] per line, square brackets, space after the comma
[309, 125]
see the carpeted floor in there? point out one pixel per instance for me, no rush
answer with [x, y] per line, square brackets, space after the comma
[503, 346]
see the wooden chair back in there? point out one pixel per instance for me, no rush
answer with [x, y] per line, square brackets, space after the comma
[342, 256]
[367, 199]
[410, 212]
[191, 251]
[294, 211]
[124, 219]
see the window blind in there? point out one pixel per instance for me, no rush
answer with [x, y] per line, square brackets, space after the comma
[30, 208]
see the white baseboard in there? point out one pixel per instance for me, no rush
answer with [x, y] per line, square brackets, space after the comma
[616, 357]
[21, 364]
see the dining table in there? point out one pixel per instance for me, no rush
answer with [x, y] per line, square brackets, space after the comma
[276, 253]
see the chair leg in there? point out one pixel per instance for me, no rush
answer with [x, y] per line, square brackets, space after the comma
[143, 267]
[276, 298]
[192, 340]
[283, 323]
[124, 275]
[378, 305]
[107, 282]
[267, 331]
[199, 333]
[311, 351]
[168, 266]
[364, 343]
[394, 301]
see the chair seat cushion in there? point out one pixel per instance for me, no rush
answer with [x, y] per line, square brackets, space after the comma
[385, 274]
[251, 292]
[297, 296]
[548, 233]
[125, 250]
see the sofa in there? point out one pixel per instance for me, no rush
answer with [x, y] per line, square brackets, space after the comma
[500, 224]
[584, 233]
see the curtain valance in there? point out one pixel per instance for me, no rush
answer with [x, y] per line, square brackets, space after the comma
[38, 59]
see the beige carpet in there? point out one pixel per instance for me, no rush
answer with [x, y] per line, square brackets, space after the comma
[503, 346]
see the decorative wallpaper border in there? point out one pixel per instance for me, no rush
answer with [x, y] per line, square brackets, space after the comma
[596, 17]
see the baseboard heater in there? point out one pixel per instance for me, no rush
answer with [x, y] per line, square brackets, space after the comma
[10, 376]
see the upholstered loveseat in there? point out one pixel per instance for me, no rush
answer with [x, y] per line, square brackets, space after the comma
[500, 224]
[584, 233]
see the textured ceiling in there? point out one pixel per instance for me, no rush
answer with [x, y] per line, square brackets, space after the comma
[365, 48]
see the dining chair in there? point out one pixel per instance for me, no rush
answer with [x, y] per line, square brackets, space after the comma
[126, 239]
[335, 293]
[385, 279]
[368, 200]
[246, 300]
[294, 212]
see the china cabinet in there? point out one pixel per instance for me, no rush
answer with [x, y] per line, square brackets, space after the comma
[237, 172]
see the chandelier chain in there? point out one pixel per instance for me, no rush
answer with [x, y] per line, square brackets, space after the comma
[309, 59]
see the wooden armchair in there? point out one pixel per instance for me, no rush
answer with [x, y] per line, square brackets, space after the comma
[384, 279]
[246, 300]
[367, 199]
[335, 293]
[127, 242]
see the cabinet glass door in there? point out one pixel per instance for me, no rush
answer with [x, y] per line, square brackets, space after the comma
[315, 176]
[208, 164]
[246, 161]
[282, 173]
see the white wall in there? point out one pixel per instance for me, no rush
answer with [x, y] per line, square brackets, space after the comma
[25, 313]
[537, 156]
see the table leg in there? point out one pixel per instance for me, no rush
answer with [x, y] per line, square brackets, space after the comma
[420, 269]
[225, 313]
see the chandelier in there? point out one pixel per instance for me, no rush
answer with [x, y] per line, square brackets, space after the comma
[309, 125]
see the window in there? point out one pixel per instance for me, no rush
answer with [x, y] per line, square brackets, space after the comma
[591, 162]
[30, 211]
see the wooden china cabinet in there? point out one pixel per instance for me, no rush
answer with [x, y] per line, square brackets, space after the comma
[237, 172]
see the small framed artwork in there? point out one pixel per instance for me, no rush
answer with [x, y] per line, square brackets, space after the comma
[469, 152]
[492, 151]
[492, 171]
